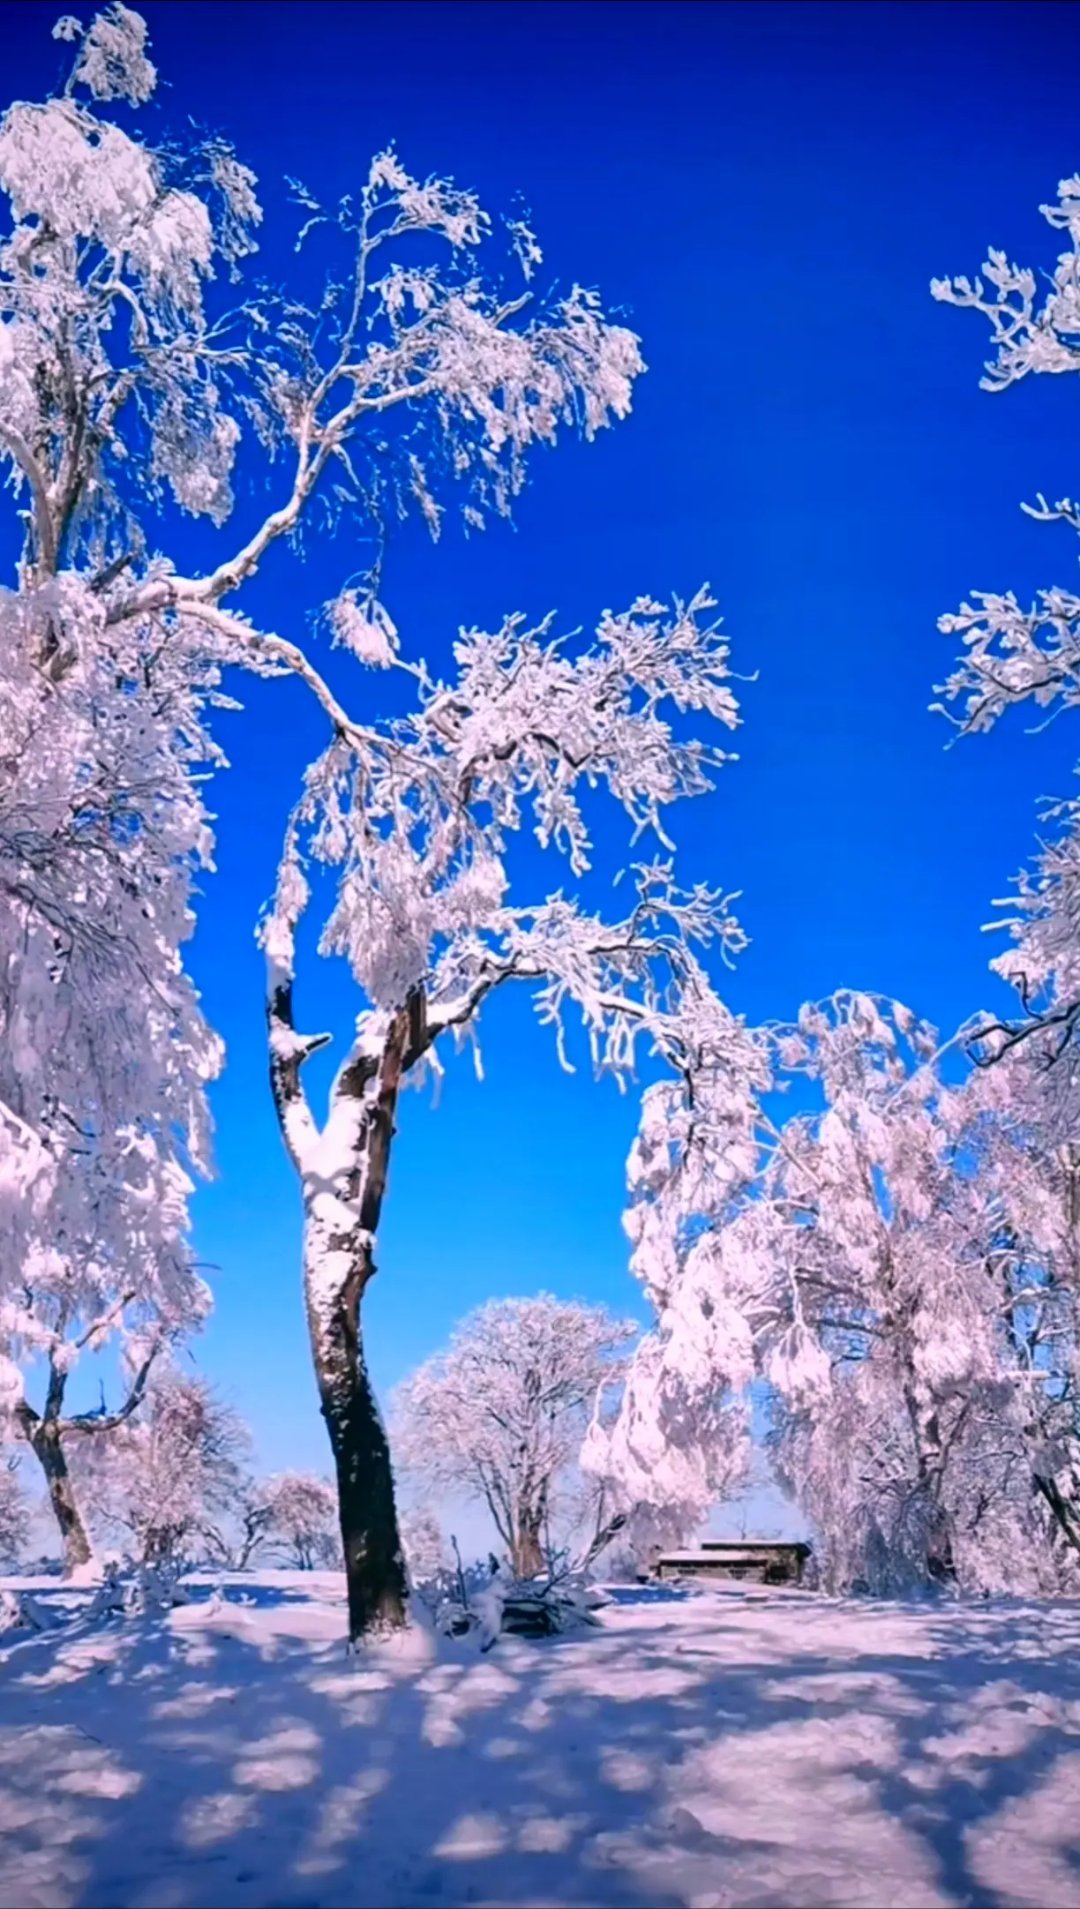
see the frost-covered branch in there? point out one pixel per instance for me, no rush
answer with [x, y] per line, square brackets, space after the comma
[1015, 655]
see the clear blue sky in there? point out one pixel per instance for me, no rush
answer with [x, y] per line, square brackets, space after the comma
[767, 190]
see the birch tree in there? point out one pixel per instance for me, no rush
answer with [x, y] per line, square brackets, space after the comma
[133, 390]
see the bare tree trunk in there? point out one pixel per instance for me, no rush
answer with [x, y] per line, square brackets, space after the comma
[343, 1173]
[528, 1555]
[374, 1560]
[44, 1433]
[931, 1456]
[48, 1448]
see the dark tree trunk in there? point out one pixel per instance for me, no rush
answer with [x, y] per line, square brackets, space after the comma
[48, 1447]
[343, 1172]
[940, 1556]
[1062, 1510]
[527, 1557]
[342, 1221]
[374, 1562]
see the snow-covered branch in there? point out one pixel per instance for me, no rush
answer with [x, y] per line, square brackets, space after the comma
[1015, 655]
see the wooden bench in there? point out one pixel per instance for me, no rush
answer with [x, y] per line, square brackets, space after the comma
[759, 1561]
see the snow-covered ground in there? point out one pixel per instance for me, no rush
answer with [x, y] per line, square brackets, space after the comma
[721, 1748]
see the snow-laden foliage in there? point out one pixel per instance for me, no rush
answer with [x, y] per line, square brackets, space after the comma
[1015, 654]
[895, 1272]
[168, 1473]
[500, 1415]
[1028, 335]
[417, 816]
[1020, 1139]
[680, 1438]
[889, 1327]
[119, 384]
[104, 1053]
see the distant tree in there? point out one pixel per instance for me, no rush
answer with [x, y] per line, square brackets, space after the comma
[500, 1416]
[14, 1512]
[426, 1552]
[301, 1520]
[172, 1470]
[234, 1540]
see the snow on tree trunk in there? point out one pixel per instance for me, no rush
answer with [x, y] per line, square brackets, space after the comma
[374, 1561]
[343, 1174]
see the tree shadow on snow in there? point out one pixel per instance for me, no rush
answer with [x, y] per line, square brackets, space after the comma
[776, 1752]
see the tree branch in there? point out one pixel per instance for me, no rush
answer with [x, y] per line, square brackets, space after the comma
[90, 1422]
[288, 1052]
[35, 477]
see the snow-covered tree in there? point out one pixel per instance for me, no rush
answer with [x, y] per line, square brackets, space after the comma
[1021, 1133]
[302, 1520]
[873, 1326]
[417, 818]
[893, 1265]
[1015, 654]
[288, 1519]
[679, 1440]
[14, 1511]
[501, 1414]
[128, 387]
[173, 1469]
[427, 1554]
[104, 1055]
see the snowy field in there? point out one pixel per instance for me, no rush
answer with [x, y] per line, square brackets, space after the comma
[719, 1748]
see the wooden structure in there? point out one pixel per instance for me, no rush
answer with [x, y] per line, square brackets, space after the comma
[759, 1561]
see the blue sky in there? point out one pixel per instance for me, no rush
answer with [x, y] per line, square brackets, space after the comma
[767, 191]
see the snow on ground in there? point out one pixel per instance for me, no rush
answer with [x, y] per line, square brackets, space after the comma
[703, 1750]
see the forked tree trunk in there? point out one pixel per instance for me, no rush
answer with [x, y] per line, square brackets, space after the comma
[343, 1172]
[45, 1432]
